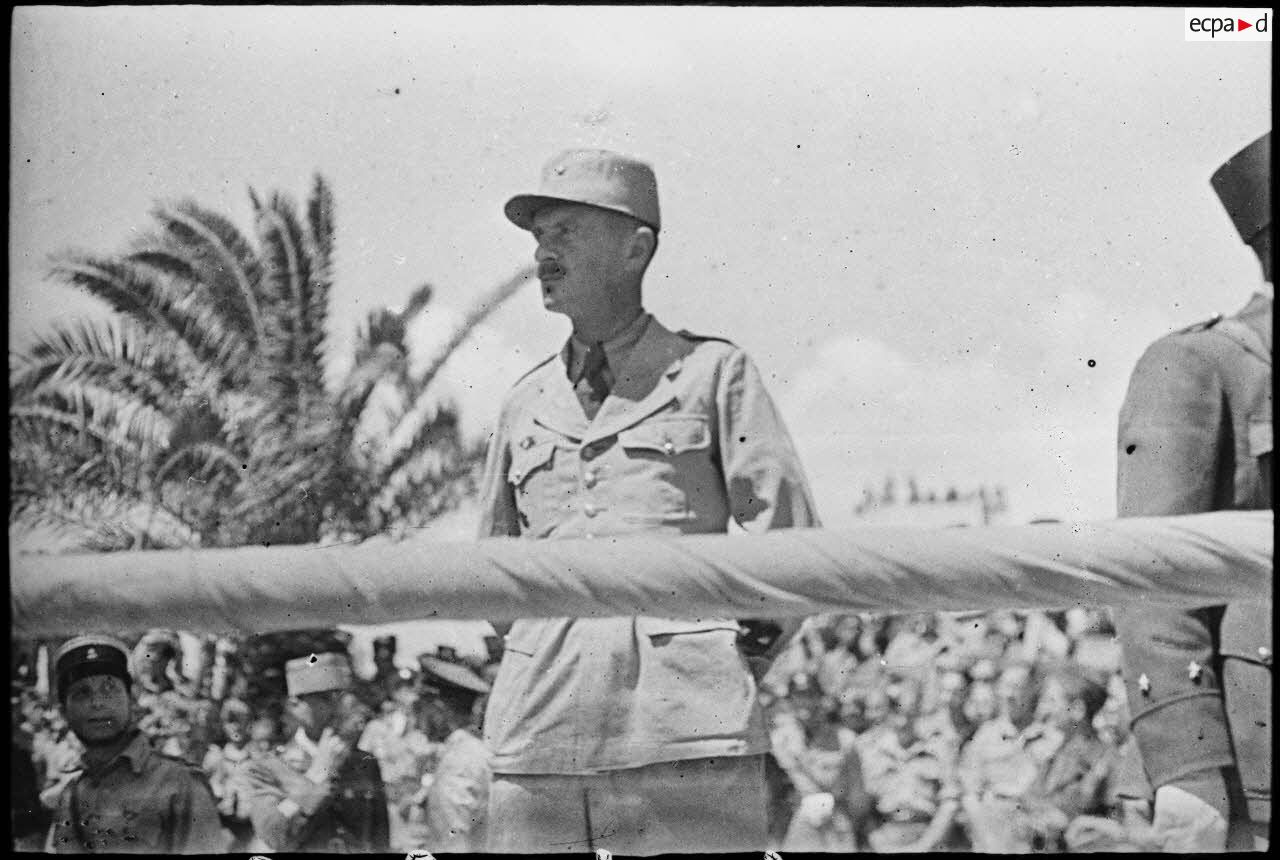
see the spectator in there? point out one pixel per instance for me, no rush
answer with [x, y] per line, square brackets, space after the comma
[995, 771]
[224, 765]
[913, 787]
[1075, 764]
[456, 801]
[403, 750]
[318, 793]
[128, 798]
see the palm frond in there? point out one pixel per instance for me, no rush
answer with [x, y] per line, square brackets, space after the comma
[211, 256]
[481, 310]
[152, 299]
[119, 355]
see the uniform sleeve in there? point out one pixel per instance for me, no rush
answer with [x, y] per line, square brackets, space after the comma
[763, 478]
[281, 801]
[197, 829]
[766, 485]
[1171, 447]
[498, 514]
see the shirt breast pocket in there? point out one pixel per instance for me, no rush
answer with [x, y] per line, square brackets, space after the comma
[540, 490]
[671, 454]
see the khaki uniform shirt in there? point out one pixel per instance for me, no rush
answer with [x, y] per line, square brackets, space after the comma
[140, 802]
[687, 442]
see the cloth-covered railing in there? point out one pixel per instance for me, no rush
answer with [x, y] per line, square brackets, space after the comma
[1193, 560]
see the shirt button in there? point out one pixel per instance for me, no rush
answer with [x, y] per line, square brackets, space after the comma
[590, 452]
[668, 446]
[1264, 654]
[590, 478]
[590, 509]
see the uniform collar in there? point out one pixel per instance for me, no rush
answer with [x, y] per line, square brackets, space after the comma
[135, 752]
[616, 348]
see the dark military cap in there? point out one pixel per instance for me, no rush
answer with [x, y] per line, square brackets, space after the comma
[85, 656]
[1243, 185]
[441, 673]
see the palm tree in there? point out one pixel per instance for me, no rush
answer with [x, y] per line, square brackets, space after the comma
[198, 413]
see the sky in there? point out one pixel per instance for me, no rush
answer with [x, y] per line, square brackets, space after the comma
[944, 235]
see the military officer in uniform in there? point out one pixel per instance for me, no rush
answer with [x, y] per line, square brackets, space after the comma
[637, 735]
[1195, 435]
[129, 798]
[319, 793]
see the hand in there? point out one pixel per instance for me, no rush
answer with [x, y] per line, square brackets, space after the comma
[1185, 824]
[331, 754]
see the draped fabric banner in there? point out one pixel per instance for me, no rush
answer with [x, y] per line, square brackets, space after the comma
[1192, 560]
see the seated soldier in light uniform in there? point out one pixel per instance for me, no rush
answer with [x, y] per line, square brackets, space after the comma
[318, 793]
[129, 798]
[456, 801]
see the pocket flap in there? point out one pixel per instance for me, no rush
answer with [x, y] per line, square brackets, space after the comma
[526, 460]
[669, 434]
[648, 626]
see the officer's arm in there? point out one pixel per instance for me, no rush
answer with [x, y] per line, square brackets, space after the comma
[282, 802]
[762, 473]
[1170, 450]
[499, 516]
[765, 483]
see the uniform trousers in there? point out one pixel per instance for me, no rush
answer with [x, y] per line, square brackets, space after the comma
[697, 805]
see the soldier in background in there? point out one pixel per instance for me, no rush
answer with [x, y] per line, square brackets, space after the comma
[318, 792]
[1195, 436]
[129, 798]
[456, 801]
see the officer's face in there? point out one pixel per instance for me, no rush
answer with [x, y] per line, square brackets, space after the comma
[580, 257]
[315, 711]
[98, 709]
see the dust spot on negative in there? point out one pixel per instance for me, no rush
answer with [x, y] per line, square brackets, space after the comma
[314, 659]
[1131, 449]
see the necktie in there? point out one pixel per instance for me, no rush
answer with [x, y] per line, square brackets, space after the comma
[594, 364]
[592, 387]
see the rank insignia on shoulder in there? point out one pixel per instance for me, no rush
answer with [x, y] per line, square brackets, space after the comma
[1144, 684]
[1194, 670]
[1203, 325]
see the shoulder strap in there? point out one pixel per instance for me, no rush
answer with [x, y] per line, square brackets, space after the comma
[688, 335]
[1246, 338]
